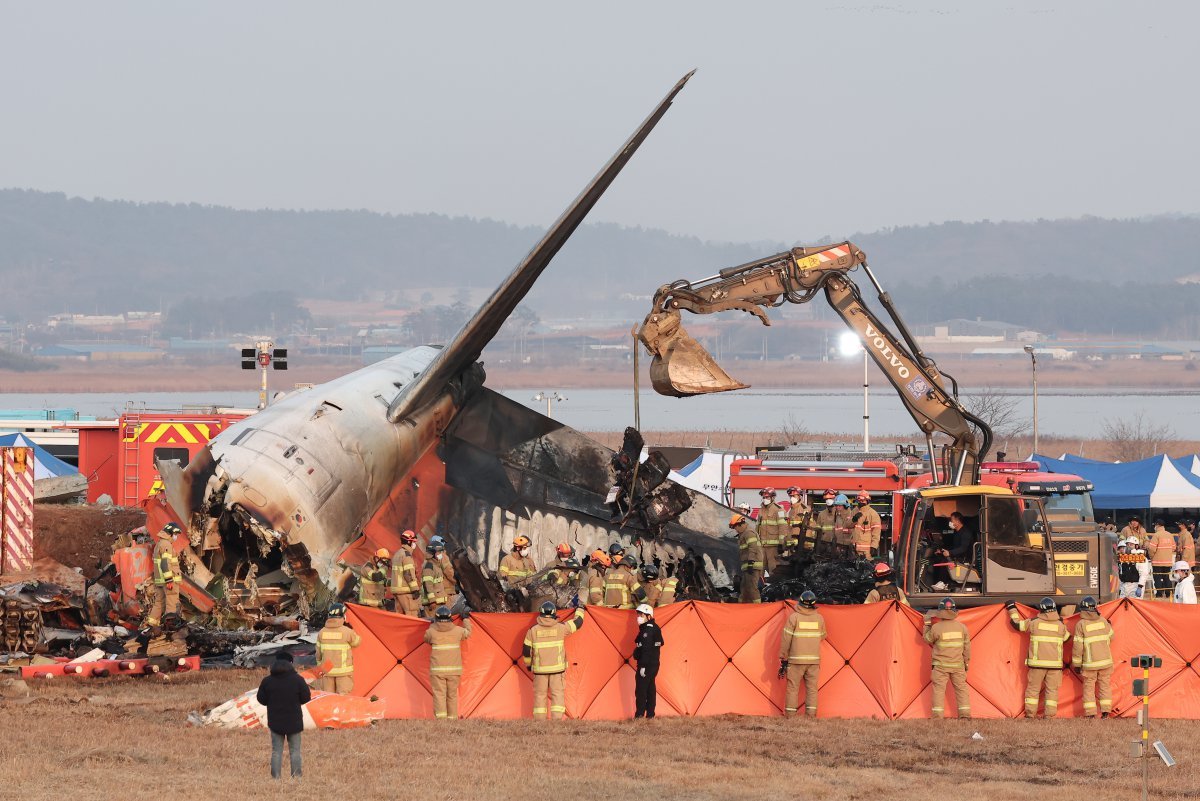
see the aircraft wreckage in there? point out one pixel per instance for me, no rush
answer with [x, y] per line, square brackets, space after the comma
[418, 442]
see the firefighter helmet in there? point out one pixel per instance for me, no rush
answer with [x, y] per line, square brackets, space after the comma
[947, 605]
[863, 497]
[383, 553]
[767, 492]
[442, 613]
[408, 537]
[601, 557]
[808, 599]
[793, 490]
[1088, 604]
[883, 570]
[520, 541]
[629, 561]
[737, 520]
[841, 500]
[645, 609]
[616, 548]
[1046, 605]
[572, 564]
[336, 609]
[830, 493]
[547, 609]
[649, 571]
[170, 529]
[564, 550]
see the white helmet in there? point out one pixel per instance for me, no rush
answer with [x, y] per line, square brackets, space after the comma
[1131, 541]
[644, 609]
[1182, 565]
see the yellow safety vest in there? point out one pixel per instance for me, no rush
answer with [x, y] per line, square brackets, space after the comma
[164, 550]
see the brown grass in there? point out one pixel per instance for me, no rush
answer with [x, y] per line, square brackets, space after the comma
[747, 441]
[971, 373]
[126, 738]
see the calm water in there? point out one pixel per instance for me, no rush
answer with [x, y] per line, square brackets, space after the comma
[1080, 413]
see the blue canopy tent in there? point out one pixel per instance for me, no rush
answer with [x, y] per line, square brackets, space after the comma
[44, 464]
[1154, 483]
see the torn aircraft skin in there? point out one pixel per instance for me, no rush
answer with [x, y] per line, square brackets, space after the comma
[294, 485]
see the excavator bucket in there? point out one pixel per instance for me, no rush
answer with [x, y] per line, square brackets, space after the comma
[681, 367]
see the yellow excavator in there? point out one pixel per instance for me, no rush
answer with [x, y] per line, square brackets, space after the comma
[1002, 550]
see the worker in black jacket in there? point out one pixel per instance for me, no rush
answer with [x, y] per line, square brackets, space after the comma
[645, 653]
[284, 693]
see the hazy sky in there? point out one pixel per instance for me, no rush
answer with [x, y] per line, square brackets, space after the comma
[805, 118]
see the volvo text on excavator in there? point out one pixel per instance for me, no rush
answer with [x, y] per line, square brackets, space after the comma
[1003, 549]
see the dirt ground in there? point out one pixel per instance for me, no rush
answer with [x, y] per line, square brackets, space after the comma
[80, 536]
[128, 738]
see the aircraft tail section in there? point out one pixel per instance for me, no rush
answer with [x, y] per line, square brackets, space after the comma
[469, 342]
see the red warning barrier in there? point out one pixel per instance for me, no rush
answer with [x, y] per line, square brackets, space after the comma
[723, 658]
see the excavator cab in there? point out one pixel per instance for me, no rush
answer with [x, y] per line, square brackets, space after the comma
[1001, 551]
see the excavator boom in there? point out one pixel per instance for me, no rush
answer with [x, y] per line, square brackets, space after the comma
[682, 367]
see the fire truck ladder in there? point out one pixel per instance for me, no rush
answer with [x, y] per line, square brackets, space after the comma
[131, 441]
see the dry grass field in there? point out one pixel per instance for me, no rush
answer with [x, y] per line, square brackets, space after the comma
[127, 739]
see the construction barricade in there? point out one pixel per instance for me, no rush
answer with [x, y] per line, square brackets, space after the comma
[724, 658]
[16, 510]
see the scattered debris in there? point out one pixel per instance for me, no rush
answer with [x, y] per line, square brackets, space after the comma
[324, 711]
[835, 578]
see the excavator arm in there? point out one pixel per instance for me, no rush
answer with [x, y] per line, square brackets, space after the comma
[682, 367]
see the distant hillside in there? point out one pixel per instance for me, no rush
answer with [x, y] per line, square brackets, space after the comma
[1159, 249]
[66, 254]
[62, 254]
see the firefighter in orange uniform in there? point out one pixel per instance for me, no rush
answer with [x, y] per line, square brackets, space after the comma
[545, 654]
[951, 657]
[406, 587]
[772, 529]
[751, 558]
[1091, 656]
[1187, 542]
[373, 579]
[649, 588]
[800, 654]
[559, 569]
[517, 568]
[335, 643]
[867, 526]
[620, 585]
[598, 563]
[167, 576]
[434, 592]
[445, 660]
[1160, 549]
[667, 588]
[885, 587]
[797, 515]
[1047, 635]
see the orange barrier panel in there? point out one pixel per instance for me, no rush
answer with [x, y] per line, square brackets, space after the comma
[723, 658]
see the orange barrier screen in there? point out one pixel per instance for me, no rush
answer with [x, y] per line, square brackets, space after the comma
[723, 658]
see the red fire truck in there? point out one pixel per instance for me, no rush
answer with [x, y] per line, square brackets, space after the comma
[816, 469]
[118, 456]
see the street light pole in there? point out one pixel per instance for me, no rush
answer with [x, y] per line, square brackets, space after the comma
[549, 398]
[1033, 360]
[866, 405]
[850, 344]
